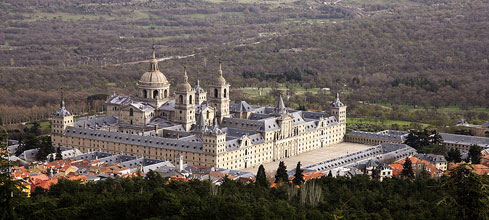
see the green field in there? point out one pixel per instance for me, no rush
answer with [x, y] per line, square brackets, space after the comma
[447, 109]
[385, 122]
[43, 125]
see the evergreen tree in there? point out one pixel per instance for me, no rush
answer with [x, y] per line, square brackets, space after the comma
[261, 177]
[468, 193]
[407, 169]
[45, 148]
[298, 176]
[475, 154]
[281, 175]
[59, 156]
[330, 174]
[454, 155]
[436, 138]
[9, 188]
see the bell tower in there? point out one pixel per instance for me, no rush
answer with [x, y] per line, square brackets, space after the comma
[62, 118]
[338, 109]
[219, 96]
[185, 103]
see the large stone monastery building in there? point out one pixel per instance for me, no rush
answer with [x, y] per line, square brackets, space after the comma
[199, 127]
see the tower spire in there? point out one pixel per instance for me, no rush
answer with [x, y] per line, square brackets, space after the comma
[281, 106]
[154, 53]
[154, 61]
[185, 77]
[220, 68]
[62, 104]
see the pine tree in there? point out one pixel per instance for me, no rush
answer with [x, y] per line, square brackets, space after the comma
[9, 187]
[467, 193]
[475, 154]
[298, 176]
[454, 155]
[281, 175]
[407, 169]
[261, 177]
[59, 156]
[330, 174]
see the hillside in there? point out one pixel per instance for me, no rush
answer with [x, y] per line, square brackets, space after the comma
[421, 52]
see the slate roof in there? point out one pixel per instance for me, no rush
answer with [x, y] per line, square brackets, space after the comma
[240, 107]
[485, 125]
[166, 143]
[119, 100]
[98, 120]
[465, 139]
[432, 158]
[169, 106]
[62, 112]
[142, 106]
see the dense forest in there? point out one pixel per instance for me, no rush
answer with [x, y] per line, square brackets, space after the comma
[461, 196]
[419, 53]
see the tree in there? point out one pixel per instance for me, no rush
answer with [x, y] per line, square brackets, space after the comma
[436, 138]
[298, 176]
[9, 188]
[330, 174]
[45, 148]
[407, 169]
[468, 193]
[454, 155]
[281, 175]
[475, 154]
[59, 156]
[261, 177]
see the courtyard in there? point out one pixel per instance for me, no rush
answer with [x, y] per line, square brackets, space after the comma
[312, 157]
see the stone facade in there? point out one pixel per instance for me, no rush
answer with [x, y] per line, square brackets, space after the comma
[209, 130]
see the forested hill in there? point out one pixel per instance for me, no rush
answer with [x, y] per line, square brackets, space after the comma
[420, 52]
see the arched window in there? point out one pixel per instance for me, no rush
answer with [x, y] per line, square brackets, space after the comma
[166, 93]
[224, 93]
[181, 99]
[145, 93]
[131, 112]
[207, 115]
[190, 99]
[155, 94]
[215, 92]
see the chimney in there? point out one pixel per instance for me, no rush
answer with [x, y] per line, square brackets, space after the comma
[156, 129]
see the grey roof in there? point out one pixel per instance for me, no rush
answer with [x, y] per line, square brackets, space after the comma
[96, 120]
[92, 156]
[485, 125]
[280, 108]
[392, 135]
[199, 89]
[431, 157]
[240, 107]
[200, 108]
[119, 100]
[117, 158]
[337, 103]
[465, 139]
[141, 106]
[62, 112]
[141, 161]
[169, 106]
[380, 152]
[166, 143]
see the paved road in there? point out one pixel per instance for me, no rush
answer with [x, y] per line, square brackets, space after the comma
[311, 157]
